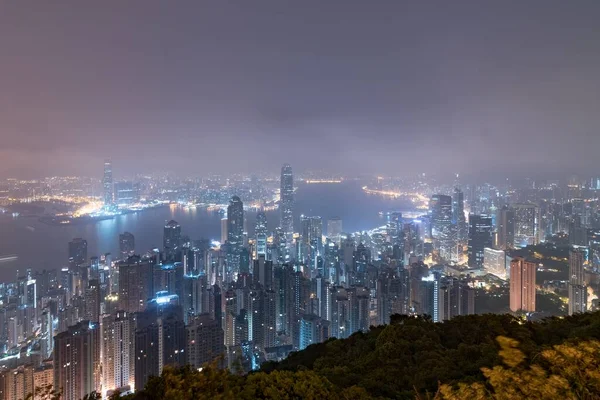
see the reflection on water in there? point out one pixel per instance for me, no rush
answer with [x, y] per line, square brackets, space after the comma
[40, 246]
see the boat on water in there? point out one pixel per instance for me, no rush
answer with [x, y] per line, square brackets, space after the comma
[8, 258]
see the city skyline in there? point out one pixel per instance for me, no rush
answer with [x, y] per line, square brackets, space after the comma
[385, 83]
[307, 199]
[273, 286]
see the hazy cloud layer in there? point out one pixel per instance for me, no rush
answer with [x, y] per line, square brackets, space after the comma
[381, 86]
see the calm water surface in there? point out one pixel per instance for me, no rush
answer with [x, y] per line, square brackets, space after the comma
[40, 246]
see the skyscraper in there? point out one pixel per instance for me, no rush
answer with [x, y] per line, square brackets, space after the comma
[522, 285]
[125, 193]
[506, 228]
[160, 339]
[458, 215]
[312, 237]
[205, 341]
[260, 232]
[526, 228]
[230, 318]
[395, 233]
[263, 273]
[108, 183]
[223, 230]
[171, 240]
[77, 252]
[494, 262]
[117, 352]
[480, 237]
[135, 284]
[334, 229]
[313, 329]
[440, 207]
[77, 360]
[576, 284]
[235, 233]
[286, 203]
[126, 244]
[92, 301]
[455, 298]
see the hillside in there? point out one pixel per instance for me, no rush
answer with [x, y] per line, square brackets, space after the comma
[468, 356]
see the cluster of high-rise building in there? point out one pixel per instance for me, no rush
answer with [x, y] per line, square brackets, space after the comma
[108, 324]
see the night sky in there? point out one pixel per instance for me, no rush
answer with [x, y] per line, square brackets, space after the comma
[397, 87]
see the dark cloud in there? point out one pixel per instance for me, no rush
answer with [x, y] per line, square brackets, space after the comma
[406, 87]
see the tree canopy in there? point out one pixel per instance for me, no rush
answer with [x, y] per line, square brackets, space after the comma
[478, 356]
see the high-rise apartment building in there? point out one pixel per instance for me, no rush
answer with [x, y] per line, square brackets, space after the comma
[522, 285]
[576, 284]
[313, 329]
[135, 283]
[205, 341]
[455, 298]
[77, 360]
[118, 357]
[160, 339]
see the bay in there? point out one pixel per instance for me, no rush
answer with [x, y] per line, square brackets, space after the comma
[40, 246]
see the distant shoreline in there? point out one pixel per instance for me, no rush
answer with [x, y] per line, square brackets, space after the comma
[69, 221]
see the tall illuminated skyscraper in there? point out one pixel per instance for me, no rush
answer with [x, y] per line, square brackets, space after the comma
[126, 244]
[260, 231]
[77, 252]
[235, 233]
[334, 229]
[286, 203]
[312, 237]
[506, 228]
[440, 207]
[117, 352]
[108, 183]
[171, 239]
[576, 284]
[458, 215]
[526, 224]
[522, 285]
[480, 237]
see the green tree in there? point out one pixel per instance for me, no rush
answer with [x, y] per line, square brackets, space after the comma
[45, 392]
[93, 396]
[567, 371]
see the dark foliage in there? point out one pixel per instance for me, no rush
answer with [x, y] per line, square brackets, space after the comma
[407, 358]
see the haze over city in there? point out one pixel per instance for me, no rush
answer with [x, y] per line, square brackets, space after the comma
[286, 200]
[349, 86]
